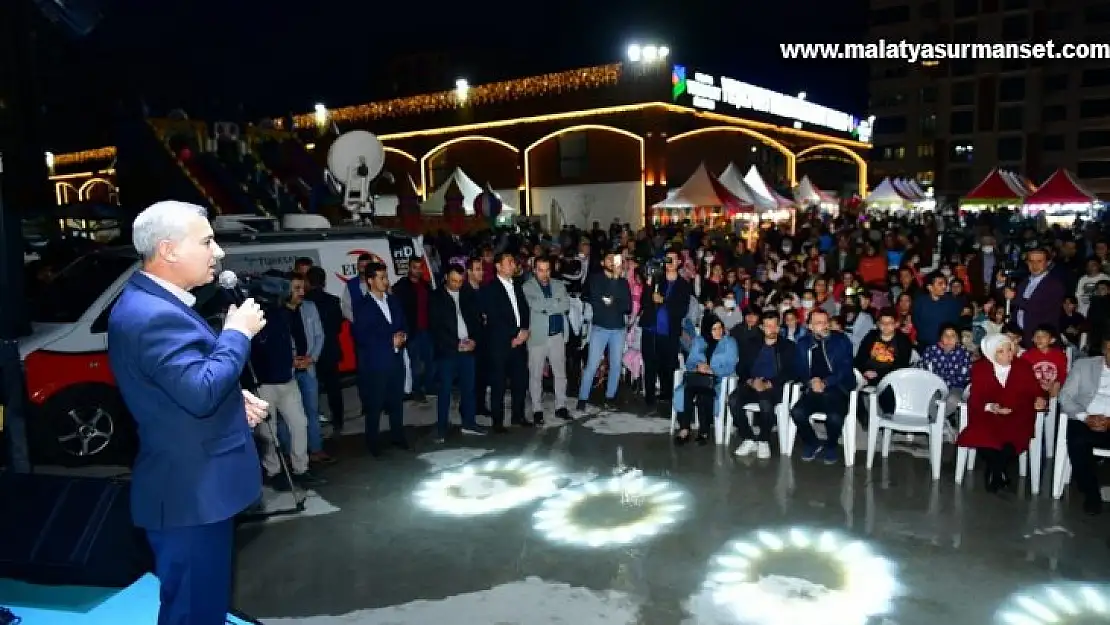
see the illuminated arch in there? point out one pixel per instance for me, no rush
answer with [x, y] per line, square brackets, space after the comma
[861, 164]
[580, 128]
[758, 136]
[83, 192]
[62, 191]
[400, 152]
[450, 142]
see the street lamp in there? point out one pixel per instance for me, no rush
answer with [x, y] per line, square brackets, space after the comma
[647, 54]
[462, 89]
[320, 112]
[50, 162]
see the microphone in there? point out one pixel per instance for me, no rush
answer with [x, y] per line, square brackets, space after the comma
[229, 282]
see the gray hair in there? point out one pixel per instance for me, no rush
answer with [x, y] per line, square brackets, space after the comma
[162, 221]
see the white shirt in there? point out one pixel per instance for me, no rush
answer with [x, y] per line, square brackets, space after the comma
[383, 305]
[1101, 403]
[508, 284]
[186, 297]
[463, 333]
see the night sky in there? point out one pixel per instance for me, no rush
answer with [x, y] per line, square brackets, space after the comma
[218, 57]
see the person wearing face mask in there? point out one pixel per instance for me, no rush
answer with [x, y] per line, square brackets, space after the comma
[728, 312]
[982, 267]
[824, 364]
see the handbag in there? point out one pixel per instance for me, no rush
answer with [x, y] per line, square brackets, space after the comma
[698, 382]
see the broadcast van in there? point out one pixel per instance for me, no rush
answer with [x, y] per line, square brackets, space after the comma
[76, 415]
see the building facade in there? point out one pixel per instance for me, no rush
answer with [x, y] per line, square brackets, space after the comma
[599, 142]
[949, 123]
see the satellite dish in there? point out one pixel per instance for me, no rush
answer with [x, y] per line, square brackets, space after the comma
[355, 159]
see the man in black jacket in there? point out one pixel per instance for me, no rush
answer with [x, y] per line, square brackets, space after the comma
[414, 293]
[507, 320]
[610, 300]
[664, 303]
[765, 367]
[327, 367]
[454, 311]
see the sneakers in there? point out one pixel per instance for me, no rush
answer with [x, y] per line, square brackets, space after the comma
[830, 455]
[763, 450]
[475, 430]
[746, 448]
[809, 452]
[564, 414]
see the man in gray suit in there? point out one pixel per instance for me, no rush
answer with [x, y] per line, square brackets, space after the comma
[1085, 399]
[549, 303]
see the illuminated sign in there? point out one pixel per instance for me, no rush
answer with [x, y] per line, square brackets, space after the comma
[707, 92]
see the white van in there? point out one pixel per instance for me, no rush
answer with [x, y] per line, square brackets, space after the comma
[76, 414]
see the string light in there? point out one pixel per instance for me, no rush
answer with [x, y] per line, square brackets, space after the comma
[492, 93]
[85, 156]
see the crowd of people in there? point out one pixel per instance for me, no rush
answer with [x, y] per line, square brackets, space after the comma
[995, 306]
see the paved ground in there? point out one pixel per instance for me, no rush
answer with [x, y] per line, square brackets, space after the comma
[400, 540]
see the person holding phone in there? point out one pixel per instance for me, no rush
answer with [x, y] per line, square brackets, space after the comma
[610, 300]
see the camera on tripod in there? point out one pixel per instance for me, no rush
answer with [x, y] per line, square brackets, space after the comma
[269, 290]
[656, 268]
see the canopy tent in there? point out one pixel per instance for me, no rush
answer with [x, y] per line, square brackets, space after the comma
[887, 195]
[470, 190]
[732, 180]
[902, 186]
[999, 188]
[807, 192]
[755, 181]
[1061, 189]
[1024, 185]
[702, 191]
[916, 188]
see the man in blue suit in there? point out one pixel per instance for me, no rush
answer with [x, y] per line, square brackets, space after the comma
[197, 466]
[379, 336]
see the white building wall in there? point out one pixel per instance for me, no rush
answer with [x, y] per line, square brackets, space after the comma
[581, 205]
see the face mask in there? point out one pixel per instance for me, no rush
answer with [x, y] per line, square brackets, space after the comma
[730, 304]
[807, 303]
[786, 249]
[709, 259]
[701, 253]
[987, 249]
[946, 272]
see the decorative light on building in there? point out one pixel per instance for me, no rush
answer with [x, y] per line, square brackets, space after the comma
[477, 95]
[647, 54]
[50, 162]
[462, 89]
[84, 156]
[320, 115]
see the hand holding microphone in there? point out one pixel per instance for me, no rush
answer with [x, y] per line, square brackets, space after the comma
[242, 316]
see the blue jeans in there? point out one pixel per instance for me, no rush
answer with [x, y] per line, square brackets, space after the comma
[419, 346]
[451, 368]
[600, 338]
[310, 397]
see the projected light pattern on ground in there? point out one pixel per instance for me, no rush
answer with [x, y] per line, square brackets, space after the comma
[857, 584]
[618, 511]
[1058, 604]
[488, 487]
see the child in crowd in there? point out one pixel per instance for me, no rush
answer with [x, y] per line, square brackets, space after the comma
[1050, 363]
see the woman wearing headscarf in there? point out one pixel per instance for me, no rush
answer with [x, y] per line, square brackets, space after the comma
[713, 353]
[1001, 408]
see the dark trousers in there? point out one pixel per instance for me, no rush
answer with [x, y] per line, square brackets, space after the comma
[660, 355]
[887, 403]
[764, 417]
[328, 375]
[382, 390]
[419, 347]
[481, 379]
[193, 565]
[704, 403]
[458, 367]
[1082, 442]
[998, 461]
[508, 367]
[832, 404]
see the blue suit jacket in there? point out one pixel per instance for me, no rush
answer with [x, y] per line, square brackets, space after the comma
[373, 333]
[197, 462]
[838, 348]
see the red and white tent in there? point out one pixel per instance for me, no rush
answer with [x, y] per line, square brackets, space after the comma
[999, 188]
[1061, 189]
[700, 193]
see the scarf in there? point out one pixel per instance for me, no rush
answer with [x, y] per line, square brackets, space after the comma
[990, 346]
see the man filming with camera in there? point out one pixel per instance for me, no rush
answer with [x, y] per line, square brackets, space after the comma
[663, 305]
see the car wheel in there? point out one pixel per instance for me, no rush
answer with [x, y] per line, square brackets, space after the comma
[85, 425]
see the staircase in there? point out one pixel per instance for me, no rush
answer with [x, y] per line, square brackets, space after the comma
[259, 183]
[205, 173]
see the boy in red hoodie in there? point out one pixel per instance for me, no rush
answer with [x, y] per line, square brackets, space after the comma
[1050, 363]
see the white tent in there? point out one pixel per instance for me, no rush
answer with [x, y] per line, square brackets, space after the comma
[916, 188]
[903, 187]
[886, 194]
[755, 181]
[1015, 182]
[732, 180]
[433, 204]
[698, 191]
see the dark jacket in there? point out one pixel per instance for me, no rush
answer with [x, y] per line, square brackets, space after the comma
[900, 359]
[838, 348]
[331, 319]
[272, 349]
[677, 305]
[373, 333]
[443, 323]
[501, 323]
[609, 316]
[405, 292]
[786, 369]
[1042, 306]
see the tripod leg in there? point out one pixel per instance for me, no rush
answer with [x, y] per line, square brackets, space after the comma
[298, 498]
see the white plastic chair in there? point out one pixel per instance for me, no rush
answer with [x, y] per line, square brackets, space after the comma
[788, 430]
[1050, 421]
[1027, 462]
[1061, 471]
[914, 392]
[722, 437]
[782, 408]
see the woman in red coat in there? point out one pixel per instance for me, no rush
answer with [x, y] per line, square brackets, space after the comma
[1001, 409]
